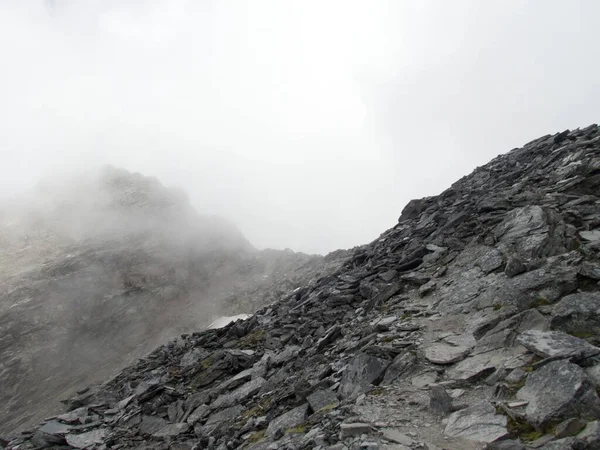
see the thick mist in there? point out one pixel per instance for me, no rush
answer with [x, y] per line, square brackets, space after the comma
[308, 124]
[98, 269]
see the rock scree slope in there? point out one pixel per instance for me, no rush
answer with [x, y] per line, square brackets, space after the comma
[471, 324]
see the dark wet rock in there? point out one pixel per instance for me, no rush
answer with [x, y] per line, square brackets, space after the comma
[578, 314]
[555, 343]
[362, 370]
[557, 391]
[290, 419]
[478, 423]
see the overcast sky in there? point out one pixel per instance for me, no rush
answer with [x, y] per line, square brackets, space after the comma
[309, 124]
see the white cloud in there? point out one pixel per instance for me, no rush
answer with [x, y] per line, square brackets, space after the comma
[309, 124]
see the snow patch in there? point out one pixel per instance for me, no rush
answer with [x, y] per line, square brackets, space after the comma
[226, 320]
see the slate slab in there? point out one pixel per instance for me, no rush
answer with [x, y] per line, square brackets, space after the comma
[554, 343]
[477, 423]
[557, 391]
[290, 419]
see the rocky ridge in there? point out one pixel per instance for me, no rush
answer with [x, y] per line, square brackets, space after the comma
[472, 323]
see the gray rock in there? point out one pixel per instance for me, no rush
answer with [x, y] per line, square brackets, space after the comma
[394, 435]
[362, 370]
[241, 393]
[477, 423]
[386, 321]
[591, 435]
[505, 333]
[52, 432]
[323, 398]
[590, 236]
[559, 390]
[261, 367]
[578, 313]
[440, 402]
[399, 367]
[590, 270]
[478, 366]
[152, 424]
[425, 379]
[594, 374]
[545, 443]
[490, 261]
[554, 343]
[516, 376]
[291, 351]
[86, 439]
[441, 353]
[427, 288]
[225, 415]
[171, 429]
[355, 429]
[514, 266]
[290, 419]
[569, 427]
[505, 444]
[198, 414]
[333, 334]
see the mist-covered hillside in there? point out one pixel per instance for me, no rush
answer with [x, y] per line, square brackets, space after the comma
[98, 269]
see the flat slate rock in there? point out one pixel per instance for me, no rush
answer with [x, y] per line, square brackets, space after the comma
[554, 343]
[557, 391]
[290, 419]
[323, 398]
[225, 415]
[241, 393]
[445, 354]
[477, 423]
[172, 429]
[87, 439]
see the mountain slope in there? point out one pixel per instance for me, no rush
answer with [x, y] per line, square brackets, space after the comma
[99, 270]
[472, 323]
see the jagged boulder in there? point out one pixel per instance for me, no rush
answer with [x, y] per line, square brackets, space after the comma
[578, 314]
[559, 390]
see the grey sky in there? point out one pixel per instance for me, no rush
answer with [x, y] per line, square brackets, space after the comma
[309, 124]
